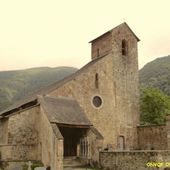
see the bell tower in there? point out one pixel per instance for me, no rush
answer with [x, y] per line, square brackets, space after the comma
[119, 45]
[119, 39]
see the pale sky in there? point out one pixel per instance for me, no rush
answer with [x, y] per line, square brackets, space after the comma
[53, 33]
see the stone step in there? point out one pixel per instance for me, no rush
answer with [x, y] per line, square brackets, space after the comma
[72, 163]
[75, 165]
[77, 169]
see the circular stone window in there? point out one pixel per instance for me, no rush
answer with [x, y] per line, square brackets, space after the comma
[97, 101]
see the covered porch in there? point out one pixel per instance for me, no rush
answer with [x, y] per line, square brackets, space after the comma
[79, 138]
[76, 141]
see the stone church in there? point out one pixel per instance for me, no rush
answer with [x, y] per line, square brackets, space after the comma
[94, 109]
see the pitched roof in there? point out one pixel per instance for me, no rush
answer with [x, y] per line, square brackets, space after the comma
[124, 23]
[47, 89]
[63, 110]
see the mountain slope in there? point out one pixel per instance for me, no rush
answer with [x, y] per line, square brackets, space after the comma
[16, 84]
[156, 74]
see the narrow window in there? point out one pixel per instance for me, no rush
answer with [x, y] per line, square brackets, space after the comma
[121, 143]
[124, 47]
[98, 52]
[96, 80]
[115, 93]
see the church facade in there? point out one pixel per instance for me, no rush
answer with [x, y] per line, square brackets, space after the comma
[94, 109]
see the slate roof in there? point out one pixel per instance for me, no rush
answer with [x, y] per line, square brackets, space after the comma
[63, 110]
[32, 98]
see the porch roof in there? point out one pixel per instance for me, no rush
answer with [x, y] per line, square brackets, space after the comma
[63, 110]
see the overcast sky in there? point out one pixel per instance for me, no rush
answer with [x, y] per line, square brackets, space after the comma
[53, 33]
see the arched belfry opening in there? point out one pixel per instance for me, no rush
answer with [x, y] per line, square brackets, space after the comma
[124, 47]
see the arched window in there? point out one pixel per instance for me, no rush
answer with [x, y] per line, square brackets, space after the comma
[124, 47]
[96, 80]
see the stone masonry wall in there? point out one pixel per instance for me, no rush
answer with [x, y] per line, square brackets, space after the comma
[51, 147]
[19, 142]
[95, 145]
[152, 137]
[168, 131]
[102, 46]
[22, 127]
[31, 137]
[17, 153]
[22, 135]
[125, 77]
[4, 129]
[135, 160]
[82, 88]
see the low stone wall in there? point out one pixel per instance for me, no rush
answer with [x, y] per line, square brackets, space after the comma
[19, 165]
[19, 152]
[135, 160]
[153, 137]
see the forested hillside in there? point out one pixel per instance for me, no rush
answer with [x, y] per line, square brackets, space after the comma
[156, 74]
[16, 84]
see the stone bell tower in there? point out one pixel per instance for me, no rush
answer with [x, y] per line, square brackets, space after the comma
[120, 44]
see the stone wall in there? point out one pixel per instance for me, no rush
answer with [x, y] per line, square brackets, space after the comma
[20, 165]
[82, 88]
[19, 153]
[152, 137]
[30, 137]
[4, 129]
[95, 145]
[134, 160]
[51, 145]
[168, 131]
[101, 46]
[125, 77]
[22, 135]
[22, 127]
[19, 142]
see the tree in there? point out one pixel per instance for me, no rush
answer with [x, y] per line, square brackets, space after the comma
[154, 106]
